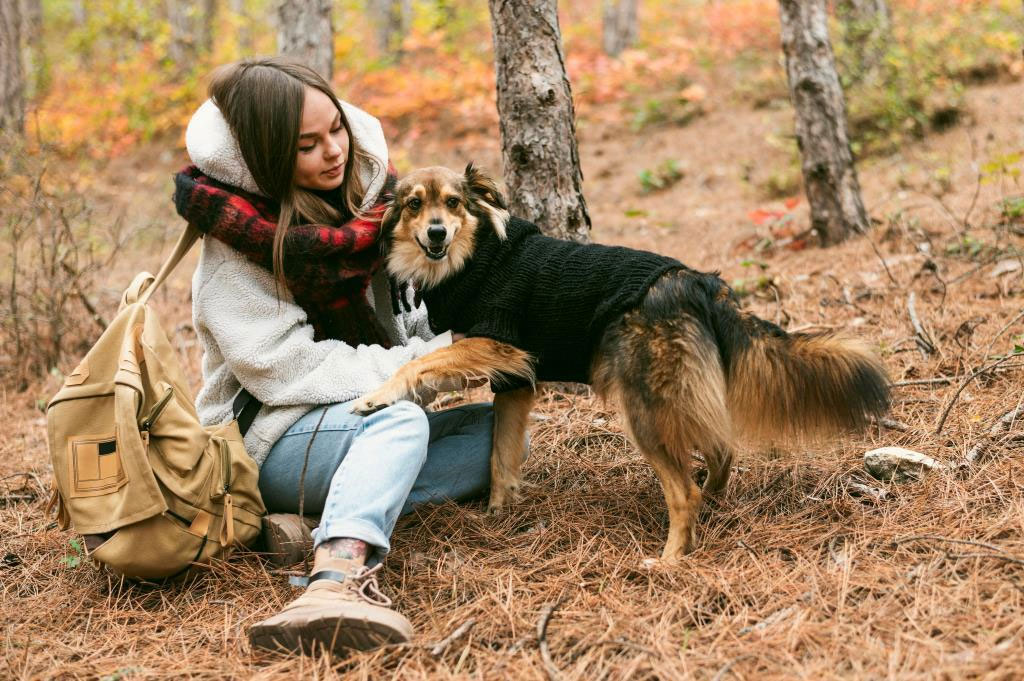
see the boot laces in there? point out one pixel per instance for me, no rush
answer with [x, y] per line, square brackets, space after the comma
[365, 585]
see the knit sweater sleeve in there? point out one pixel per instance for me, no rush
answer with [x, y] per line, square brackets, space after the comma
[267, 345]
[500, 325]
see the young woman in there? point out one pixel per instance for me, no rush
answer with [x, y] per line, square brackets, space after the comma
[291, 304]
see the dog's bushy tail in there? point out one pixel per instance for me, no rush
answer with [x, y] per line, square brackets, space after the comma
[781, 385]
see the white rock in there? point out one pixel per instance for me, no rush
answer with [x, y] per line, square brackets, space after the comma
[898, 464]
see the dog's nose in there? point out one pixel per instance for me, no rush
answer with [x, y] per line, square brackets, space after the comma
[436, 233]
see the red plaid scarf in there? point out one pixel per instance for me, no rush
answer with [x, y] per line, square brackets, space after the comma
[327, 268]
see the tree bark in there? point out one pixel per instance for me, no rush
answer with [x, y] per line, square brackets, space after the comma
[191, 31]
[830, 179]
[305, 32]
[618, 27]
[392, 19]
[538, 130]
[12, 78]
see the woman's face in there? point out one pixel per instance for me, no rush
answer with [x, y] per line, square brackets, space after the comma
[323, 144]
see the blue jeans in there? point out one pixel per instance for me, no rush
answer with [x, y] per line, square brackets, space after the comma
[366, 471]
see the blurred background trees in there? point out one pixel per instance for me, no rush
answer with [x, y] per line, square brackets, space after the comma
[88, 89]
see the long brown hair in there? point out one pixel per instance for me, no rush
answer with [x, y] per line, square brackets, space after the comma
[262, 100]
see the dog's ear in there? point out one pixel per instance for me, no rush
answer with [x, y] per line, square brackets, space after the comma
[486, 200]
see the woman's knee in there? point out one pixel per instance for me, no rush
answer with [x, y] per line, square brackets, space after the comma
[406, 417]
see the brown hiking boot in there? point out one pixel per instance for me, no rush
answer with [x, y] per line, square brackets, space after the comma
[337, 613]
[287, 537]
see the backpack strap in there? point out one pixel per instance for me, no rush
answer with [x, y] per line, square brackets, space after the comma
[135, 289]
[244, 408]
[185, 242]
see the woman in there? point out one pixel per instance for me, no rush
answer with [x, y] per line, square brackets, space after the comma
[291, 304]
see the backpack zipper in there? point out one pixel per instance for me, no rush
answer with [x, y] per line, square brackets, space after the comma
[154, 413]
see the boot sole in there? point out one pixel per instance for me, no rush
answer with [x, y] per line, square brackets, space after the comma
[338, 635]
[280, 549]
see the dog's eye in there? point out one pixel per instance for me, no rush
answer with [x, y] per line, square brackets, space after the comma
[452, 203]
[414, 204]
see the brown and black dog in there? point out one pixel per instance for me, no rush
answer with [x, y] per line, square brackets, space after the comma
[688, 369]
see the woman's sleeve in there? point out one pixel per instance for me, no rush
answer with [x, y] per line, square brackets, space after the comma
[268, 346]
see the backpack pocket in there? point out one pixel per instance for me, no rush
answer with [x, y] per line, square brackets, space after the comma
[157, 547]
[173, 429]
[94, 465]
[99, 459]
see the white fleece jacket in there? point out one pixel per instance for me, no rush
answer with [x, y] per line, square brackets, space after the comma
[252, 338]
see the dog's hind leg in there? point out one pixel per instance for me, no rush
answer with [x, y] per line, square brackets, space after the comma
[719, 461]
[666, 374]
[674, 471]
[511, 414]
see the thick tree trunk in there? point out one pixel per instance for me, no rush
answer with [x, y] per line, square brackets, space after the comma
[618, 28]
[391, 19]
[12, 78]
[304, 31]
[538, 129]
[830, 179]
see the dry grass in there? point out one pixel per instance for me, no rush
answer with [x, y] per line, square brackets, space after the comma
[799, 574]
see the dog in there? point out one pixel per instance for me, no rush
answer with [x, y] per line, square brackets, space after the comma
[670, 345]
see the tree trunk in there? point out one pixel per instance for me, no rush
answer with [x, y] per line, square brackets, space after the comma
[618, 28]
[392, 19]
[12, 79]
[237, 7]
[538, 129]
[866, 25]
[182, 47]
[32, 47]
[830, 179]
[873, 12]
[304, 31]
[206, 25]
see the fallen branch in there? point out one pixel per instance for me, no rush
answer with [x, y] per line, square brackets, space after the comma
[442, 645]
[921, 337]
[949, 540]
[966, 381]
[866, 490]
[542, 641]
[1001, 425]
[891, 424]
[941, 380]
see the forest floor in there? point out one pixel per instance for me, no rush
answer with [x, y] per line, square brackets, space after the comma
[806, 567]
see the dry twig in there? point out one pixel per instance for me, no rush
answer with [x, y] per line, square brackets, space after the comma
[542, 640]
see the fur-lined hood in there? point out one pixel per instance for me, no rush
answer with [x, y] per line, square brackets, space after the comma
[213, 148]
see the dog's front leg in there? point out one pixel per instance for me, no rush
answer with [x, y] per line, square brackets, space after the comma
[468, 359]
[511, 414]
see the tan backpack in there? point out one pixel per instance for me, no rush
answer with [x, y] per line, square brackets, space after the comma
[153, 492]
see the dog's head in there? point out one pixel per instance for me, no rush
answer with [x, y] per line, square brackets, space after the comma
[431, 224]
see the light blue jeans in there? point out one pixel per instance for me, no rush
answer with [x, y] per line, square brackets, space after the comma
[366, 471]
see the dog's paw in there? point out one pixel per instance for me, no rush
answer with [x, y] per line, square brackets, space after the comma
[502, 496]
[369, 405]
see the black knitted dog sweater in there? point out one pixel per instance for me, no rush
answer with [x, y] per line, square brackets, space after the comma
[549, 297]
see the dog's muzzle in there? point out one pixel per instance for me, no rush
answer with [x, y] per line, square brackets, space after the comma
[437, 242]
